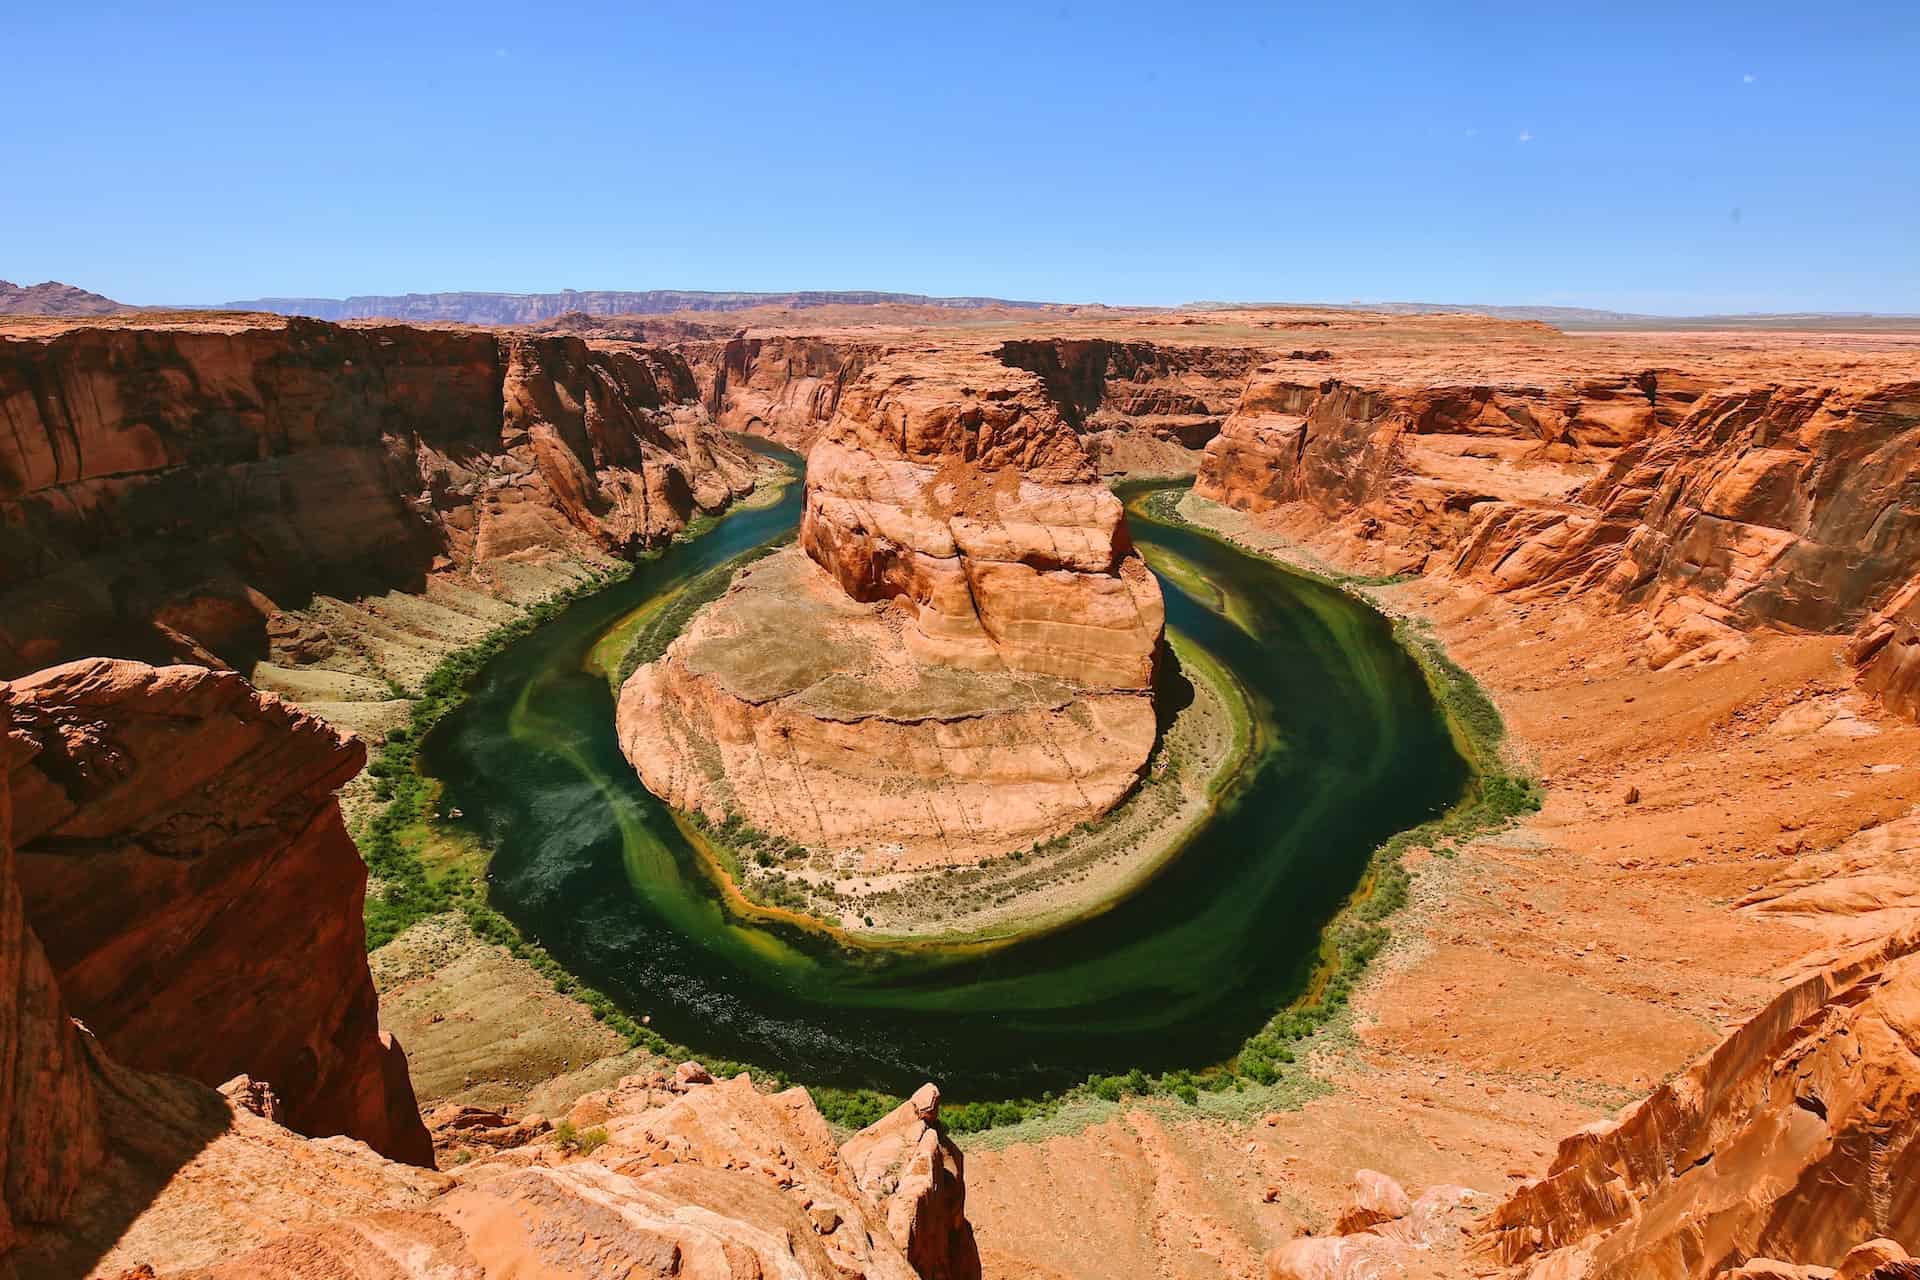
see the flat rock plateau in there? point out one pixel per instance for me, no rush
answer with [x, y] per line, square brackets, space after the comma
[1664, 1027]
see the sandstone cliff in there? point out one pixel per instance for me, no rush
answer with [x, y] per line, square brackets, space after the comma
[1797, 1138]
[1711, 502]
[51, 1134]
[957, 661]
[167, 487]
[1135, 404]
[180, 852]
[786, 388]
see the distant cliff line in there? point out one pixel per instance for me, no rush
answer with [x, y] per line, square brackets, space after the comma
[529, 308]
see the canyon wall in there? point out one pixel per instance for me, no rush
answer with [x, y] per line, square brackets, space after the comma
[786, 388]
[180, 853]
[167, 489]
[51, 1133]
[1710, 510]
[957, 661]
[1138, 405]
[1797, 1138]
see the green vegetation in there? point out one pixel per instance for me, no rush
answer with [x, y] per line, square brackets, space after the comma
[578, 1142]
[392, 841]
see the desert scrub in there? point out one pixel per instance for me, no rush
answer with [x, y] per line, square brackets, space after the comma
[579, 1142]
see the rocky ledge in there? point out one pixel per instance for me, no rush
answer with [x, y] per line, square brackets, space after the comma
[958, 659]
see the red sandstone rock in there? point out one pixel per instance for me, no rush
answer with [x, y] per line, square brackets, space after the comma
[1798, 1137]
[51, 1134]
[1382, 1236]
[180, 845]
[167, 486]
[961, 662]
[907, 1164]
[717, 1182]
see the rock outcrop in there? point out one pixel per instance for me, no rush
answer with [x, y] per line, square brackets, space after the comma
[1383, 1235]
[957, 661]
[658, 1176]
[1797, 1138]
[169, 487]
[51, 1133]
[180, 852]
[953, 487]
[906, 1164]
[1126, 397]
[784, 387]
[1711, 501]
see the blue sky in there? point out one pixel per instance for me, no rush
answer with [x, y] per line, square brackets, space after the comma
[1675, 158]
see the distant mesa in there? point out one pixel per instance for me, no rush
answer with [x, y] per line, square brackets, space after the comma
[531, 308]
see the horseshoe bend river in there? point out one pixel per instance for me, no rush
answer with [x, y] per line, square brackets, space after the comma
[1348, 747]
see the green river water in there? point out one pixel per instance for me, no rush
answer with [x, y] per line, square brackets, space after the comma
[1349, 746]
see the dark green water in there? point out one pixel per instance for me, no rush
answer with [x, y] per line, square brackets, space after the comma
[1349, 748]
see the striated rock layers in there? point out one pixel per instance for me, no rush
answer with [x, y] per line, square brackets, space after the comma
[167, 487]
[957, 660]
[1712, 509]
[1124, 398]
[1797, 1138]
[51, 1133]
[786, 388]
[657, 1176]
[180, 854]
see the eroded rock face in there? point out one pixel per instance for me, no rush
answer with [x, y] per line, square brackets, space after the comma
[180, 849]
[958, 660]
[786, 388]
[1797, 1138]
[952, 486]
[1711, 509]
[1383, 1235]
[1122, 397]
[51, 1133]
[714, 1181]
[906, 1163]
[167, 488]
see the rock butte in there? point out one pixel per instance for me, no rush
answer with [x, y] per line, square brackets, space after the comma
[1684, 563]
[958, 658]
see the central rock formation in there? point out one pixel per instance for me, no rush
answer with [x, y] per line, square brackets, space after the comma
[957, 660]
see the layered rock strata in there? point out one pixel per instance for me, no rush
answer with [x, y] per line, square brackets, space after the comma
[1797, 1138]
[51, 1132]
[784, 387]
[168, 488]
[1710, 509]
[957, 660]
[180, 852]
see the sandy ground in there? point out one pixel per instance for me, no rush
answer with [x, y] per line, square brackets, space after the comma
[1542, 978]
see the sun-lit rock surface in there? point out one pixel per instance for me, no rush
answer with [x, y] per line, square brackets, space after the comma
[662, 1175]
[170, 485]
[957, 660]
[1797, 1138]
